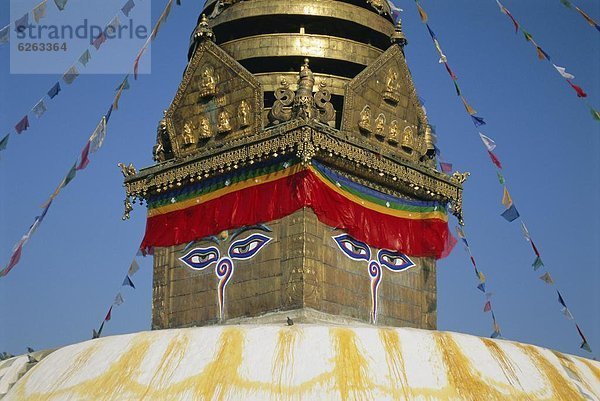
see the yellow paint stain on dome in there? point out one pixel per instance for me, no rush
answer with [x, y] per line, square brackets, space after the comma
[283, 363]
[574, 372]
[395, 362]
[351, 369]
[503, 360]
[593, 367]
[170, 361]
[561, 388]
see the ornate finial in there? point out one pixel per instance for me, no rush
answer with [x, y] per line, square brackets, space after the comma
[127, 171]
[398, 36]
[128, 209]
[203, 30]
[460, 177]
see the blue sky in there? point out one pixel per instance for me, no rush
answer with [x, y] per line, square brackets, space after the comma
[74, 265]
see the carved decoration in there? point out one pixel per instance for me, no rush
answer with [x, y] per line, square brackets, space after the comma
[392, 91]
[281, 110]
[380, 126]
[128, 171]
[364, 124]
[323, 104]
[381, 6]
[162, 149]
[244, 116]
[393, 136]
[213, 82]
[408, 140]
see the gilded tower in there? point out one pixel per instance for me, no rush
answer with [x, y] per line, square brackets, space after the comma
[295, 173]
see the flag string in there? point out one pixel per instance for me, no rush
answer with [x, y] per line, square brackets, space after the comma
[92, 145]
[543, 55]
[69, 76]
[585, 16]
[38, 12]
[118, 300]
[510, 213]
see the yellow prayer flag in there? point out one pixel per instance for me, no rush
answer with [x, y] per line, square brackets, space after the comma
[506, 199]
[469, 109]
[422, 13]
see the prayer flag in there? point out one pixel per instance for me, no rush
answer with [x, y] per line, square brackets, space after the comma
[118, 300]
[474, 264]
[124, 85]
[99, 40]
[525, 232]
[560, 299]
[510, 214]
[22, 125]
[537, 253]
[580, 92]
[70, 175]
[563, 72]
[133, 268]
[39, 109]
[495, 334]
[488, 142]
[565, 311]
[128, 7]
[97, 138]
[504, 10]
[487, 307]
[114, 23]
[546, 278]
[481, 287]
[481, 276]
[542, 55]
[136, 64]
[585, 344]
[422, 14]
[430, 32]
[395, 10]
[54, 90]
[5, 34]
[460, 232]
[537, 263]
[469, 109]
[446, 167]
[495, 159]
[566, 3]
[528, 36]
[506, 199]
[108, 315]
[85, 57]
[22, 23]
[85, 160]
[14, 259]
[500, 178]
[4, 142]
[443, 57]
[108, 113]
[39, 11]
[457, 88]
[127, 282]
[587, 18]
[478, 121]
[595, 114]
[70, 75]
[60, 4]
[450, 72]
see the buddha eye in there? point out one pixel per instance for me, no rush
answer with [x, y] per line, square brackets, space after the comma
[248, 247]
[354, 249]
[200, 258]
[394, 261]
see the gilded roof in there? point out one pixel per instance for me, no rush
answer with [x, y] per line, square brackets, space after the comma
[306, 362]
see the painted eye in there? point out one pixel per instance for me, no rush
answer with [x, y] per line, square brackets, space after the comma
[200, 258]
[248, 247]
[394, 261]
[354, 249]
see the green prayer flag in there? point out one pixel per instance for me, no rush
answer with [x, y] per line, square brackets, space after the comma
[595, 114]
[500, 178]
[537, 263]
[528, 37]
[4, 142]
[566, 3]
[124, 85]
[457, 88]
[71, 175]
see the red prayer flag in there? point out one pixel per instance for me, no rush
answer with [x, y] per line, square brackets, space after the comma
[107, 318]
[99, 40]
[22, 125]
[513, 19]
[14, 259]
[487, 307]
[580, 92]
[84, 157]
[473, 261]
[537, 253]
[495, 159]
[450, 72]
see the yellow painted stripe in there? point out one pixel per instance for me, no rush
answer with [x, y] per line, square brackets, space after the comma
[378, 208]
[224, 191]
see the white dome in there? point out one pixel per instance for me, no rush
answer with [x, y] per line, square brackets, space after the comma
[306, 362]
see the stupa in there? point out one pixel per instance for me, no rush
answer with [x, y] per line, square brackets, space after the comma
[295, 216]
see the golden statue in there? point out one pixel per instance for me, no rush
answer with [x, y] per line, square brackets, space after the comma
[393, 137]
[408, 140]
[364, 124]
[223, 125]
[208, 82]
[205, 131]
[380, 126]
[391, 93]
[188, 134]
[244, 114]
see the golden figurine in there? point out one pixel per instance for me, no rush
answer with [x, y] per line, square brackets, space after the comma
[393, 137]
[380, 126]
[364, 124]
[244, 114]
[127, 171]
[408, 140]
[460, 177]
[188, 134]
[391, 94]
[224, 124]
[208, 82]
[205, 131]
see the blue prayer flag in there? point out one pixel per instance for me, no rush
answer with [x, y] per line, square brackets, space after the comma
[109, 112]
[510, 214]
[60, 4]
[54, 91]
[22, 23]
[430, 32]
[560, 299]
[127, 282]
[481, 287]
[128, 7]
[537, 263]
[478, 121]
